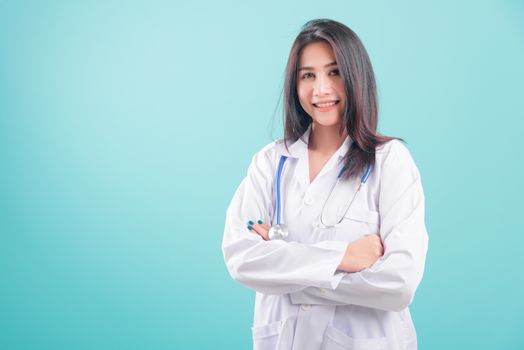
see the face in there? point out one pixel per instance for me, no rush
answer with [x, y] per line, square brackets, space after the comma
[319, 85]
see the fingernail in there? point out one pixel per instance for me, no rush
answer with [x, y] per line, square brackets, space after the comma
[249, 228]
[250, 222]
[260, 222]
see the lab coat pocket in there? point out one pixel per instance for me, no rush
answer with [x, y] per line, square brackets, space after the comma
[356, 223]
[266, 336]
[337, 340]
[360, 215]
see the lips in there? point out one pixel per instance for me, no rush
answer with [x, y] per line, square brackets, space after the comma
[325, 104]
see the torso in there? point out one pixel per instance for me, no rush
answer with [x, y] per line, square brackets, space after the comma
[280, 320]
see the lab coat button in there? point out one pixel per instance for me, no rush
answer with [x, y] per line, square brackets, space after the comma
[323, 291]
[305, 307]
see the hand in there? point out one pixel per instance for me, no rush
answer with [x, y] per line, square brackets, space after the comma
[260, 228]
[362, 253]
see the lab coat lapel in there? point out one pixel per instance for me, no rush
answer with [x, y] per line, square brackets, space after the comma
[299, 151]
[302, 169]
[335, 159]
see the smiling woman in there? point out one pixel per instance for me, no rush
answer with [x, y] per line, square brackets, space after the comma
[343, 269]
[319, 85]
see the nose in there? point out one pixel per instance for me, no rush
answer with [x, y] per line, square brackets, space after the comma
[322, 85]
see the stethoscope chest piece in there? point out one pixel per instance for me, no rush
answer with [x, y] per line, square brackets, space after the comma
[278, 232]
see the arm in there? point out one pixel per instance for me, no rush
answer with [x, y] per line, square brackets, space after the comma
[359, 254]
[273, 267]
[391, 282]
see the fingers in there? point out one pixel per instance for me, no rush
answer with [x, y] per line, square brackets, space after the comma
[260, 228]
[375, 244]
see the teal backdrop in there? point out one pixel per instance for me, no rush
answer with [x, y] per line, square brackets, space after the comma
[126, 126]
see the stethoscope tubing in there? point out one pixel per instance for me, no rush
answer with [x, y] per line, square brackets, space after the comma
[279, 174]
[363, 180]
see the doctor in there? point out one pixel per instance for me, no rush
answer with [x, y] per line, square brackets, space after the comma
[345, 272]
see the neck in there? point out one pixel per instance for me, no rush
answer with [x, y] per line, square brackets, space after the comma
[325, 139]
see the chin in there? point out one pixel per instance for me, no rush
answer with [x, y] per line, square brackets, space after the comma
[327, 122]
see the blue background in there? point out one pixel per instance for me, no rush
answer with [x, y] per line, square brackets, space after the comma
[125, 128]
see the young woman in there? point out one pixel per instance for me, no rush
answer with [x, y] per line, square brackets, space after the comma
[346, 252]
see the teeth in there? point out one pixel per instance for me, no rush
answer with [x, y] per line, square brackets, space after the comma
[323, 105]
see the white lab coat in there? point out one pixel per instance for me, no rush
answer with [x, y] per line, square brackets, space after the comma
[302, 301]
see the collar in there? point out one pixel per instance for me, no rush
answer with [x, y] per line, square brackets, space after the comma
[299, 151]
[299, 148]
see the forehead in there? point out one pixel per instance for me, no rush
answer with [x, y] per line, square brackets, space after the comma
[317, 53]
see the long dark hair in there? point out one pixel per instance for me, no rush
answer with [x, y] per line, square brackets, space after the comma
[360, 115]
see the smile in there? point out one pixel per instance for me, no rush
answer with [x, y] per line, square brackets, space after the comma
[324, 105]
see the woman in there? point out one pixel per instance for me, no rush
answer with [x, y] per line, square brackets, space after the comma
[347, 269]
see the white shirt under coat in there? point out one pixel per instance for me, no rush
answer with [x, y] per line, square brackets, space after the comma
[302, 301]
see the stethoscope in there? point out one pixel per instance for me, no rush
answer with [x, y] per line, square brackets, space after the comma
[280, 231]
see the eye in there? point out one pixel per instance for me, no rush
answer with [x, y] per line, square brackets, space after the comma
[335, 72]
[307, 76]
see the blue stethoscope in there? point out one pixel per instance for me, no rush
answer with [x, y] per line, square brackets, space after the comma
[280, 231]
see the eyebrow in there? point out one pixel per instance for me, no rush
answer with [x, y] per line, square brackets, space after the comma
[334, 63]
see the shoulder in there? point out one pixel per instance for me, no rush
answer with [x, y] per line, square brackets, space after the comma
[393, 146]
[394, 157]
[265, 159]
[269, 152]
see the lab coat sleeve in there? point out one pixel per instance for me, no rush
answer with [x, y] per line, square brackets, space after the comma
[391, 282]
[272, 267]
